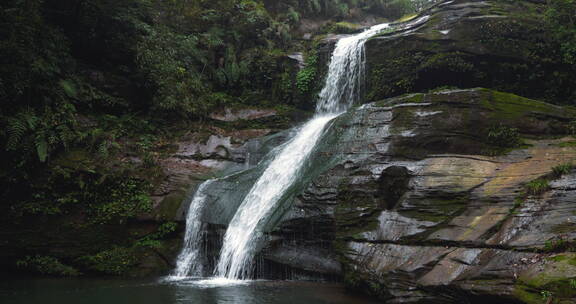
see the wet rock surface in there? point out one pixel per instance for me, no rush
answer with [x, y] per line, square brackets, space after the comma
[201, 155]
[409, 223]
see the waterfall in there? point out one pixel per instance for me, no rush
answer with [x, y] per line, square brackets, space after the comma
[346, 72]
[342, 89]
[241, 240]
[188, 262]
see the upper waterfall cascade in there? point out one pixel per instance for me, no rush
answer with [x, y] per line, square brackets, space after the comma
[241, 240]
[346, 72]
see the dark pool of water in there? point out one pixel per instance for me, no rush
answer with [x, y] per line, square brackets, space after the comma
[99, 291]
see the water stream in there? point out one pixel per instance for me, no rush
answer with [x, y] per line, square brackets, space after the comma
[188, 263]
[242, 239]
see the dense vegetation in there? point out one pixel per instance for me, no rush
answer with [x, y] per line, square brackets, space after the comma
[87, 85]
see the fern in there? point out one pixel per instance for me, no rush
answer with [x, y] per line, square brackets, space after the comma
[16, 130]
[23, 122]
[41, 147]
[213, 38]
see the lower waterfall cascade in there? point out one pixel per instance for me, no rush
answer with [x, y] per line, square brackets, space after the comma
[244, 234]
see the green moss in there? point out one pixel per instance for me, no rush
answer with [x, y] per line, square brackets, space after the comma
[356, 212]
[569, 144]
[559, 245]
[437, 209]
[452, 62]
[567, 258]
[509, 106]
[557, 279]
[534, 292]
[341, 28]
[169, 206]
[510, 48]
[407, 18]
[404, 118]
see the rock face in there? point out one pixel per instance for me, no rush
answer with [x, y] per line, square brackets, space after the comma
[502, 45]
[199, 155]
[427, 198]
[413, 209]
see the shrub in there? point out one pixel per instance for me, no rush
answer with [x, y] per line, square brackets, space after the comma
[503, 136]
[154, 240]
[306, 77]
[537, 187]
[115, 198]
[562, 169]
[560, 17]
[46, 265]
[115, 261]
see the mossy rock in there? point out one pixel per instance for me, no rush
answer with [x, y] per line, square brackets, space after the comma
[170, 206]
[556, 281]
[463, 119]
[496, 44]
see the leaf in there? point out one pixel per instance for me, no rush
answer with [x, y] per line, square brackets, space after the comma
[69, 88]
[42, 149]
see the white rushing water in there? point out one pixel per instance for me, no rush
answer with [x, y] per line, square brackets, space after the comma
[188, 263]
[243, 232]
[342, 89]
[346, 72]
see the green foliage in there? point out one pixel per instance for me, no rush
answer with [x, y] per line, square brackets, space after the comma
[338, 9]
[546, 294]
[503, 136]
[154, 240]
[118, 198]
[46, 265]
[341, 28]
[102, 198]
[562, 169]
[306, 78]
[561, 17]
[115, 261]
[537, 187]
[558, 245]
[443, 88]
[168, 61]
[454, 62]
